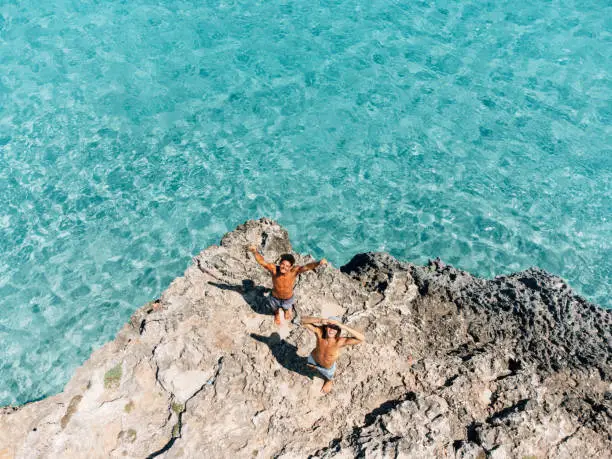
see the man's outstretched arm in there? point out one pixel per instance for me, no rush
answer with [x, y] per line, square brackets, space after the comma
[311, 266]
[269, 266]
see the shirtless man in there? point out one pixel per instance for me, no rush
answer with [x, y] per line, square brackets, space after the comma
[329, 343]
[283, 280]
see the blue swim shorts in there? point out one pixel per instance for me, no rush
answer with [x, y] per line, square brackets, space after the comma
[276, 303]
[328, 373]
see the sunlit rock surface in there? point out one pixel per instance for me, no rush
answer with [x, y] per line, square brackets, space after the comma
[454, 366]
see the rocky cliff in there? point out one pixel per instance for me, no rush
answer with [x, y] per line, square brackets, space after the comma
[454, 366]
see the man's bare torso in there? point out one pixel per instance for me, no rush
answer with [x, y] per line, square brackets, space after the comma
[327, 351]
[283, 284]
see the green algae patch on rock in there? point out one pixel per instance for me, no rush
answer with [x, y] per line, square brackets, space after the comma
[129, 407]
[129, 435]
[112, 377]
[178, 408]
[72, 408]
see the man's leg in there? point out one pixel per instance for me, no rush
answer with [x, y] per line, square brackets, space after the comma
[275, 305]
[328, 375]
[288, 306]
[327, 386]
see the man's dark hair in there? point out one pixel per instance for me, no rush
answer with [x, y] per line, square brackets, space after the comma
[288, 257]
[338, 329]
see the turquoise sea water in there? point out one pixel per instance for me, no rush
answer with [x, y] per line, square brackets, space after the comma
[133, 134]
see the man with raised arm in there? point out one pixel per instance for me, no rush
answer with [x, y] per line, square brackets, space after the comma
[283, 281]
[329, 343]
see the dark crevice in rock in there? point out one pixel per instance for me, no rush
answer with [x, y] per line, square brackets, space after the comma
[503, 414]
[472, 432]
[449, 382]
[215, 376]
[568, 437]
[161, 451]
[504, 376]
[385, 408]
[529, 282]
[159, 380]
[150, 307]
[514, 365]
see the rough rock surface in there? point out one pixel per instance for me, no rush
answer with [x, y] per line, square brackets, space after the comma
[454, 366]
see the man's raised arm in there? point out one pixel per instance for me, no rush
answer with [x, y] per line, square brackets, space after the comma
[357, 337]
[311, 266]
[312, 320]
[310, 323]
[269, 266]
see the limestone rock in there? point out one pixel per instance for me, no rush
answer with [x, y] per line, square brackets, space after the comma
[454, 366]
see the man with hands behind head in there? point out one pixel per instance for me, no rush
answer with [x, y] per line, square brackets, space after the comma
[329, 342]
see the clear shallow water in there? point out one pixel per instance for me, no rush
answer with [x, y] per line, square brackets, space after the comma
[134, 134]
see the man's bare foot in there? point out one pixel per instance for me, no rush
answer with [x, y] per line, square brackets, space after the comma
[288, 315]
[327, 386]
[277, 319]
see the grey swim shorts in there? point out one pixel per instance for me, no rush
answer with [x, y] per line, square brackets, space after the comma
[328, 373]
[276, 303]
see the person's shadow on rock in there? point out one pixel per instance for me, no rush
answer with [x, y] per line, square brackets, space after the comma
[286, 354]
[253, 295]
